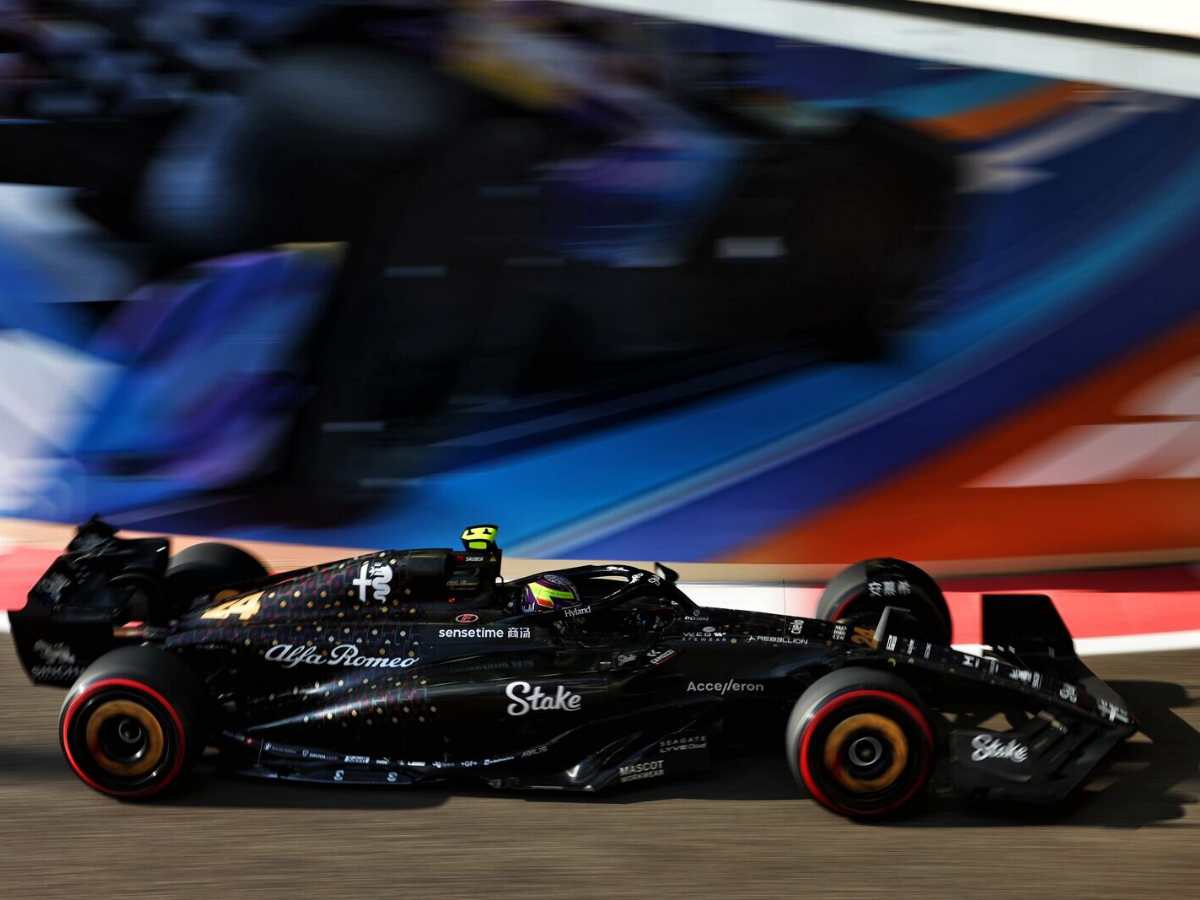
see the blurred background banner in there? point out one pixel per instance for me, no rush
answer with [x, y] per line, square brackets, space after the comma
[632, 286]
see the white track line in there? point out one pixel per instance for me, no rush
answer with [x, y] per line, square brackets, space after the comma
[1124, 643]
[1164, 16]
[980, 46]
[1138, 643]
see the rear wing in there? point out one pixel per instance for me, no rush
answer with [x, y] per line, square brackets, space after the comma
[99, 582]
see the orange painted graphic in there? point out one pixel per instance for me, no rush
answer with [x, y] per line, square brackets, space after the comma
[1109, 465]
[1008, 115]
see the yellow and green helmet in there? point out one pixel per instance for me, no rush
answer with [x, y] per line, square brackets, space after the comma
[548, 593]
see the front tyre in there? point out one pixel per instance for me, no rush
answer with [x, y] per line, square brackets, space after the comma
[861, 743]
[859, 593]
[131, 725]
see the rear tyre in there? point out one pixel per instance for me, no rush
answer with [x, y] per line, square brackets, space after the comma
[860, 592]
[131, 726]
[204, 568]
[861, 743]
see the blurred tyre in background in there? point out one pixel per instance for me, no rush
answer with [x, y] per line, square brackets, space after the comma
[555, 221]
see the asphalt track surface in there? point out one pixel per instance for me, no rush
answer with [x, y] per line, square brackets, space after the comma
[744, 831]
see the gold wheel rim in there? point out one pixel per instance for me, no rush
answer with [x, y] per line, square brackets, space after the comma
[154, 732]
[888, 729]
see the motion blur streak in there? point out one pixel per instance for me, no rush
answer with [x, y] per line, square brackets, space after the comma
[352, 274]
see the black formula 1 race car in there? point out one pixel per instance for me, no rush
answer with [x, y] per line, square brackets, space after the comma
[409, 667]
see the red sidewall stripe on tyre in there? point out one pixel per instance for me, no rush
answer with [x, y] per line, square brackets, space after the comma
[840, 612]
[89, 692]
[841, 700]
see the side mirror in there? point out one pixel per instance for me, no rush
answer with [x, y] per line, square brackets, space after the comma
[666, 573]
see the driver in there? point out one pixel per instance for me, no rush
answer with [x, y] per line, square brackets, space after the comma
[548, 593]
